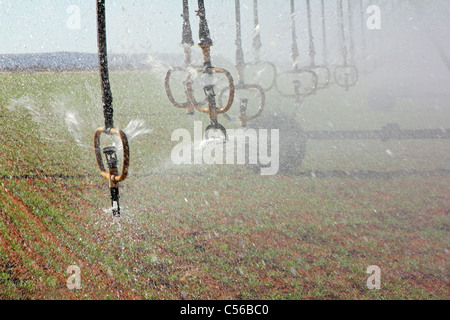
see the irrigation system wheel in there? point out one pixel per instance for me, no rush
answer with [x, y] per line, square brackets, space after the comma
[292, 141]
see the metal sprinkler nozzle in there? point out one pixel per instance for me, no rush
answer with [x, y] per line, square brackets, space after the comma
[111, 160]
[111, 157]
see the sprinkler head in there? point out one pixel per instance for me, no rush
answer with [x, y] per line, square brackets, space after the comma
[111, 157]
[243, 105]
[209, 91]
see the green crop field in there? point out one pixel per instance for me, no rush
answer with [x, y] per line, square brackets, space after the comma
[217, 231]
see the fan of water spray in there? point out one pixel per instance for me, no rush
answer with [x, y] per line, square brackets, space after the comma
[134, 129]
[29, 106]
[73, 125]
[210, 142]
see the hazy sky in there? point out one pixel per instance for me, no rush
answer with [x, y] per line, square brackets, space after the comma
[145, 26]
[132, 25]
[139, 25]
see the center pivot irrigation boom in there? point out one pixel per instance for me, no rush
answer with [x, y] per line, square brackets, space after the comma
[112, 175]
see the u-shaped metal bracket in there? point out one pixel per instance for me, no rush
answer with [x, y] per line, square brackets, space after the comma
[349, 76]
[112, 177]
[206, 109]
[271, 66]
[321, 84]
[308, 92]
[243, 117]
[182, 105]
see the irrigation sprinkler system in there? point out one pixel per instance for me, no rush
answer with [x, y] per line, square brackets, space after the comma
[187, 42]
[322, 71]
[112, 174]
[345, 75]
[257, 45]
[297, 73]
[306, 81]
[241, 84]
[207, 72]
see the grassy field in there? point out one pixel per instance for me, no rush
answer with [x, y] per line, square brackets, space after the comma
[216, 231]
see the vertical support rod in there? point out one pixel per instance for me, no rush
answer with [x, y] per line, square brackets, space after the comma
[350, 31]
[103, 65]
[294, 48]
[240, 62]
[341, 30]
[256, 35]
[187, 40]
[312, 51]
[324, 35]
